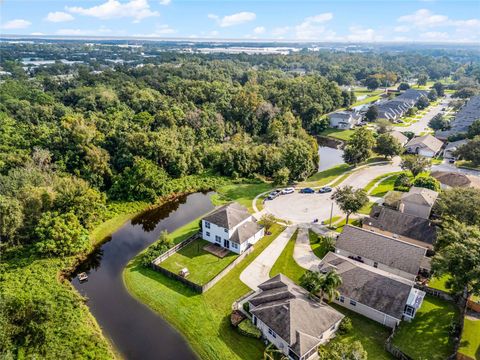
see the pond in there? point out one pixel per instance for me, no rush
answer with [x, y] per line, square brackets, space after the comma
[329, 157]
[136, 331]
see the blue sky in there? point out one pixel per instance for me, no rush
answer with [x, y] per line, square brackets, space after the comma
[340, 20]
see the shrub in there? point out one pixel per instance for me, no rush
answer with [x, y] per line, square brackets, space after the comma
[402, 182]
[155, 250]
[248, 329]
[345, 326]
[428, 182]
[246, 307]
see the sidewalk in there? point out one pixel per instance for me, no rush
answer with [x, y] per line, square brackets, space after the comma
[302, 253]
[259, 269]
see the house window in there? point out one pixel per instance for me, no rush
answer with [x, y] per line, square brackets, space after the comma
[226, 230]
[353, 303]
[207, 225]
[218, 238]
[333, 328]
[342, 298]
[409, 311]
[271, 332]
[235, 246]
[375, 264]
[208, 234]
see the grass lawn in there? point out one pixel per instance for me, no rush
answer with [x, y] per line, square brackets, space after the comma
[470, 344]
[317, 246]
[339, 226]
[202, 265]
[427, 336]
[385, 186]
[372, 183]
[324, 177]
[341, 134]
[467, 164]
[371, 334]
[242, 193]
[365, 210]
[367, 100]
[286, 264]
[203, 319]
[438, 283]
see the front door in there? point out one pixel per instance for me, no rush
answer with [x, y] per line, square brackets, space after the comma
[226, 244]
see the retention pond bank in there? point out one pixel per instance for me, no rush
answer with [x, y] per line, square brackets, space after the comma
[136, 331]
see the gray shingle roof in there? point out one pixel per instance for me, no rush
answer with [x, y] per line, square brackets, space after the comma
[286, 309]
[228, 216]
[464, 118]
[377, 289]
[385, 250]
[386, 219]
[402, 139]
[426, 141]
[245, 232]
[420, 196]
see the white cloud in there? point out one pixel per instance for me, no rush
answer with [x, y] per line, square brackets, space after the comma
[160, 30]
[16, 24]
[165, 2]
[359, 34]
[37, 34]
[59, 16]
[259, 30]
[312, 28]
[234, 19]
[424, 18]
[78, 32]
[136, 9]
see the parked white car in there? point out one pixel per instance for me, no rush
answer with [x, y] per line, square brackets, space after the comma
[289, 190]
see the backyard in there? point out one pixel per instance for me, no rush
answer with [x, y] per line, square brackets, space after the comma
[470, 344]
[241, 193]
[202, 265]
[429, 332]
[340, 134]
[203, 319]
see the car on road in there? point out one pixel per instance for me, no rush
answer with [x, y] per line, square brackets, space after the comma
[325, 189]
[289, 190]
[273, 194]
[307, 191]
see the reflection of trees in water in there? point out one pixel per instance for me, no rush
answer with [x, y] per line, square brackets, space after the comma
[151, 218]
[93, 261]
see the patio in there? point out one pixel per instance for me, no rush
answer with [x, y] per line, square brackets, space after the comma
[216, 250]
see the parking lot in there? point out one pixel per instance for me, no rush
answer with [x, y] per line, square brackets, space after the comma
[302, 208]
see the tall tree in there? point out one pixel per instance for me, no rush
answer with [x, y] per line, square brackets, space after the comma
[11, 218]
[329, 284]
[470, 151]
[415, 164]
[359, 147]
[372, 113]
[461, 204]
[388, 146]
[440, 88]
[350, 200]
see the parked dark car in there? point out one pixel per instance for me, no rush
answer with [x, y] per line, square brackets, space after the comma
[325, 189]
[307, 191]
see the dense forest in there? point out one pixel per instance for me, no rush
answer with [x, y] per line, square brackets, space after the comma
[77, 138]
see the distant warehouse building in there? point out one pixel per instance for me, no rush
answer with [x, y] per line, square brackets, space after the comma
[463, 119]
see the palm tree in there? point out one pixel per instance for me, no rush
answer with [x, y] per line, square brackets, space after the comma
[329, 284]
[311, 281]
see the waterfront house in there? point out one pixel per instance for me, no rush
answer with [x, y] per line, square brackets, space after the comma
[344, 119]
[232, 227]
[289, 319]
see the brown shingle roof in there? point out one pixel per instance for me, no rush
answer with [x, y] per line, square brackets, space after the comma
[426, 141]
[372, 287]
[286, 309]
[407, 225]
[385, 250]
[455, 179]
[228, 216]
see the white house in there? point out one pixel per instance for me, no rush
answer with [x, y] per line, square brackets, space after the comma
[449, 152]
[231, 226]
[372, 292]
[344, 119]
[426, 145]
[290, 320]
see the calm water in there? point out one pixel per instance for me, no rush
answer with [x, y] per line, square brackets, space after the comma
[135, 330]
[329, 157]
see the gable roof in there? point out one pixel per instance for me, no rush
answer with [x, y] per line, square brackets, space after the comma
[386, 250]
[456, 144]
[426, 141]
[455, 179]
[286, 309]
[464, 118]
[372, 287]
[402, 139]
[420, 196]
[228, 216]
[414, 227]
[245, 231]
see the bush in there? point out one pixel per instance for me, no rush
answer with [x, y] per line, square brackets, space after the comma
[246, 307]
[156, 249]
[402, 182]
[345, 326]
[246, 328]
[428, 182]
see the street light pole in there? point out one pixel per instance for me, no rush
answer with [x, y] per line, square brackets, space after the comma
[331, 213]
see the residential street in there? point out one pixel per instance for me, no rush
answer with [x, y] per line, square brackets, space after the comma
[259, 269]
[422, 125]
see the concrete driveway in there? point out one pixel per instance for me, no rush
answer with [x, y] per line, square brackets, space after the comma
[259, 269]
[304, 208]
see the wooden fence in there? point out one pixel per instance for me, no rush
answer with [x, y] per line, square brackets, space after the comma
[195, 287]
[395, 351]
[435, 292]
